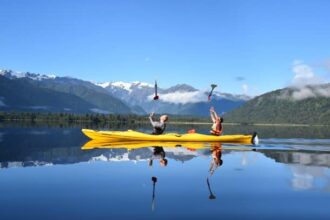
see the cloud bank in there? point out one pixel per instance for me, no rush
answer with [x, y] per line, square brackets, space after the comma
[305, 83]
[304, 75]
[182, 97]
[245, 88]
[306, 92]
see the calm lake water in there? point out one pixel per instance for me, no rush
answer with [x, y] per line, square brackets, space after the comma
[44, 174]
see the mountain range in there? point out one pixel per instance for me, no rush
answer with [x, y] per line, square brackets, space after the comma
[27, 91]
[35, 92]
[49, 93]
[308, 104]
[180, 99]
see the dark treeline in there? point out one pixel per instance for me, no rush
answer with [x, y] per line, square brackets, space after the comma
[89, 118]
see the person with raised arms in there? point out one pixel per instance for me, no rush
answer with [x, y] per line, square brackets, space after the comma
[217, 128]
[159, 127]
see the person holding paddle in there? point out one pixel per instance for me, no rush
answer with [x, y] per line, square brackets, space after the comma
[217, 128]
[159, 127]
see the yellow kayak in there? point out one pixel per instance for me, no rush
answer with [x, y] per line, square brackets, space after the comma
[130, 135]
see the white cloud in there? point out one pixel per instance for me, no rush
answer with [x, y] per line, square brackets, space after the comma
[304, 74]
[304, 77]
[182, 97]
[245, 88]
[305, 92]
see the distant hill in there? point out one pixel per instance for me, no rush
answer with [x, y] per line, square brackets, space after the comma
[21, 95]
[52, 93]
[29, 91]
[303, 105]
[87, 91]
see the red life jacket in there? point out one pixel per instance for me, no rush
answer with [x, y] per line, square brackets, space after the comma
[217, 129]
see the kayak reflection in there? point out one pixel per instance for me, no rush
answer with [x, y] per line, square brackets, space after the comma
[95, 144]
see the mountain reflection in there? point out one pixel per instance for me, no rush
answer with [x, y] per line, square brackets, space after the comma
[302, 158]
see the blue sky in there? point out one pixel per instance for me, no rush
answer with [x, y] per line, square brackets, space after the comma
[242, 45]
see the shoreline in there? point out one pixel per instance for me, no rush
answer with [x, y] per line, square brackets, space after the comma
[60, 118]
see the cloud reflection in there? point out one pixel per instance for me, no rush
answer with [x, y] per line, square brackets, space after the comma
[306, 177]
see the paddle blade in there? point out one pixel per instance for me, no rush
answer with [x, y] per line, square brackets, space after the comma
[156, 97]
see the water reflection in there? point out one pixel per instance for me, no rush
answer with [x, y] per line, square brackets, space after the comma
[275, 179]
[216, 157]
[304, 177]
[296, 157]
[52, 146]
[211, 196]
[154, 181]
[158, 154]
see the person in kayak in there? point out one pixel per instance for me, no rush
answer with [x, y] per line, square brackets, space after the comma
[217, 128]
[159, 127]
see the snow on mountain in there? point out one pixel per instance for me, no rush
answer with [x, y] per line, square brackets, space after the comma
[141, 94]
[179, 97]
[34, 76]
[125, 85]
[136, 96]
[103, 85]
[180, 88]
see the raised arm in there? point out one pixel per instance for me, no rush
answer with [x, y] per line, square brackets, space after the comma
[211, 114]
[215, 114]
[151, 120]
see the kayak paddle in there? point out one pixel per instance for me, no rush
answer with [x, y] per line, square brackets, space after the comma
[156, 97]
[210, 94]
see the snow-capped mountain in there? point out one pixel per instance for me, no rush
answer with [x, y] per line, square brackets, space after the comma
[39, 92]
[125, 86]
[34, 76]
[178, 99]
[109, 97]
